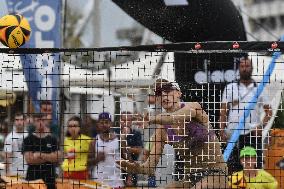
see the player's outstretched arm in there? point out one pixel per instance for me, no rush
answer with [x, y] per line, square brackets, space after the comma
[160, 138]
[191, 110]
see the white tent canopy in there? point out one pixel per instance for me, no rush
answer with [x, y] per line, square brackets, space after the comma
[129, 75]
[133, 74]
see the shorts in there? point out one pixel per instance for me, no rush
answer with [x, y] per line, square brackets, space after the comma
[77, 175]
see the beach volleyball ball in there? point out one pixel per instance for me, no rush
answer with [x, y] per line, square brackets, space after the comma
[15, 30]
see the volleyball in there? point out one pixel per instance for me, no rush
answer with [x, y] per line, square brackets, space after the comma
[15, 30]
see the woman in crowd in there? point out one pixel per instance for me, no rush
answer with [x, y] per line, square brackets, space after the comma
[76, 149]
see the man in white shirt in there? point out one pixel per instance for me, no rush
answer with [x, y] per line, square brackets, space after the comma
[104, 152]
[236, 97]
[14, 159]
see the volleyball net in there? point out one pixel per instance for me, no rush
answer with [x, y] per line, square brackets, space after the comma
[87, 82]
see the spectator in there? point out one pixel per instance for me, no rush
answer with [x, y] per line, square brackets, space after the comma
[46, 108]
[103, 154]
[234, 100]
[76, 149]
[14, 159]
[41, 151]
[131, 144]
[250, 177]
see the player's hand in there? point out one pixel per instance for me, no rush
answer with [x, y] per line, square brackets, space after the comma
[129, 180]
[127, 166]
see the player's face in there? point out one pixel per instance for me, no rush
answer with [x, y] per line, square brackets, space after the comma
[73, 128]
[103, 126]
[248, 162]
[170, 98]
[245, 69]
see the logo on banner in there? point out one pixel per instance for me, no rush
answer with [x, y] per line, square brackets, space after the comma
[42, 16]
[42, 61]
[216, 76]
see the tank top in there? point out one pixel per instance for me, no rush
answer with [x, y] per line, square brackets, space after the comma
[106, 171]
[196, 131]
[202, 150]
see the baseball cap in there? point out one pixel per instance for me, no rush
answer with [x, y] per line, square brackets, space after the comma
[164, 85]
[105, 115]
[248, 151]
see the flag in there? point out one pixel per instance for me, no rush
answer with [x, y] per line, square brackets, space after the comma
[41, 71]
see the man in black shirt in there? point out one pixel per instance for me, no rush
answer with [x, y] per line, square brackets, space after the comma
[41, 152]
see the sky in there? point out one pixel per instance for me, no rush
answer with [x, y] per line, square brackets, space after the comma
[112, 19]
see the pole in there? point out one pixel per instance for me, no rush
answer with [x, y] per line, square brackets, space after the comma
[251, 105]
[97, 23]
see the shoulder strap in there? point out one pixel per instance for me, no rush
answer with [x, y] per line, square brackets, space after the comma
[248, 92]
[254, 83]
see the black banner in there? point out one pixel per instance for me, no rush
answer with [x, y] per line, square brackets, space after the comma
[203, 76]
